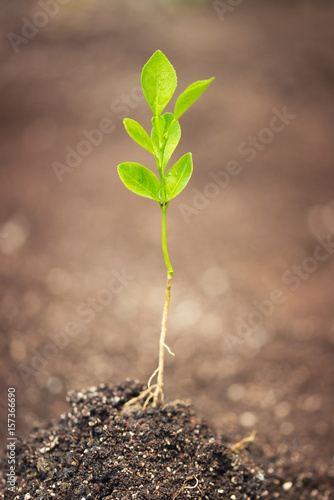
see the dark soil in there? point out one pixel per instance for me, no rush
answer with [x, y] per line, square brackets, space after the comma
[61, 242]
[101, 450]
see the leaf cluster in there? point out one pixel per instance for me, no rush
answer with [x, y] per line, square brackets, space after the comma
[159, 82]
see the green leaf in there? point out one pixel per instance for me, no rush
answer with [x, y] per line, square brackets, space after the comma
[140, 180]
[173, 138]
[178, 176]
[158, 123]
[138, 134]
[189, 96]
[165, 136]
[159, 81]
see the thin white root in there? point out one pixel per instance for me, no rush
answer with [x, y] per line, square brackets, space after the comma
[154, 393]
[152, 377]
[191, 487]
[185, 487]
[241, 445]
[142, 395]
[169, 351]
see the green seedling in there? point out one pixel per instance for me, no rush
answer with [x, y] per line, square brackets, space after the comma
[159, 81]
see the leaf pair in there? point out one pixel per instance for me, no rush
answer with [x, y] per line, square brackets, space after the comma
[165, 136]
[159, 82]
[142, 181]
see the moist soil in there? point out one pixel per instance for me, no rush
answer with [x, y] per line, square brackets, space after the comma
[100, 449]
[61, 241]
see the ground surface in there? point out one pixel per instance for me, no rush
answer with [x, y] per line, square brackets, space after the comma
[101, 449]
[63, 239]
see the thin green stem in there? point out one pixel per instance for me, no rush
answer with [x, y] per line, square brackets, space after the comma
[164, 239]
[158, 392]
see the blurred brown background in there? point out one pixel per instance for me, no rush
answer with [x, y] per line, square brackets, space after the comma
[248, 357]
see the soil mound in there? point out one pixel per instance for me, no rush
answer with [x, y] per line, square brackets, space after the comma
[100, 450]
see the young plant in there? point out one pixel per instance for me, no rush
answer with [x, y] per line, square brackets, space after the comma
[159, 81]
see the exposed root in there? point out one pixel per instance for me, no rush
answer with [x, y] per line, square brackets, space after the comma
[242, 444]
[152, 377]
[141, 396]
[154, 394]
[186, 486]
[151, 396]
[169, 351]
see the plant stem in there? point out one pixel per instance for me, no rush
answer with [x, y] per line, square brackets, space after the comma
[158, 393]
[164, 206]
